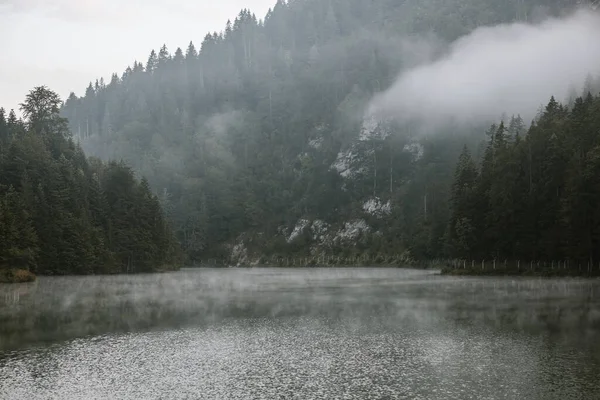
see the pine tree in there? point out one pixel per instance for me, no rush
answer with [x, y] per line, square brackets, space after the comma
[462, 230]
[516, 127]
[4, 133]
[15, 126]
[191, 52]
[163, 56]
[152, 62]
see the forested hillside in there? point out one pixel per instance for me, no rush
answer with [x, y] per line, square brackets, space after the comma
[61, 213]
[255, 140]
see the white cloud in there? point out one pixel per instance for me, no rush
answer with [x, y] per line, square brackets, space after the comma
[510, 68]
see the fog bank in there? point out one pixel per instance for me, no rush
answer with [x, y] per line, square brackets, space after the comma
[511, 68]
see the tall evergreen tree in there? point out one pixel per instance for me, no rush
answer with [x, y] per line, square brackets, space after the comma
[461, 237]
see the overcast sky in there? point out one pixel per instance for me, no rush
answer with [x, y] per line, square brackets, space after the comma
[65, 44]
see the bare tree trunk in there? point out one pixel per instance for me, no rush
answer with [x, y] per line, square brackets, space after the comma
[391, 171]
[374, 172]
[271, 106]
[530, 170]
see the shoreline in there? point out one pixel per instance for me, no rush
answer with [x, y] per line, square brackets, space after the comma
[523, 273]
[15, 275]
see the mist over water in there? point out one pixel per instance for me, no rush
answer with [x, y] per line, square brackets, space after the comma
[510, 68]
[306, 333]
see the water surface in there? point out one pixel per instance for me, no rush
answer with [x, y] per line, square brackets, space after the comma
[300, 334]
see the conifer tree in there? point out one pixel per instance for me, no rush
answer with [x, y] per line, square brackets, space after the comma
[152, 62]
[462, 235]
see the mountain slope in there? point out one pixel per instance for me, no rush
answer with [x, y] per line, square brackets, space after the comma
[261, 133]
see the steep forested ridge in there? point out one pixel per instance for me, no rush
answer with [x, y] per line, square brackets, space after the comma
[256, 139]
[62, 213]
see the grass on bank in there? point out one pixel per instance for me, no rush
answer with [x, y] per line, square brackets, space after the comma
[10, 275]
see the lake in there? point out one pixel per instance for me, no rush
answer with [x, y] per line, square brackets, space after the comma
[300, 334]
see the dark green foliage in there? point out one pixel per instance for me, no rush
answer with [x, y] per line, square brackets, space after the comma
[462, 231]
[61, 213]
[226, 134]
[4, 133]
[537, 195]
[18, 239]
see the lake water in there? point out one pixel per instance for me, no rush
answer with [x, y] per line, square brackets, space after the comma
[300, 334]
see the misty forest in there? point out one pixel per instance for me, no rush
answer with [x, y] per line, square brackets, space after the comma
[255, 144]
[340, 199]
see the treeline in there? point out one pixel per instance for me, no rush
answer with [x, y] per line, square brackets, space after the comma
[62, 213]
[239, 134]
[533, 196]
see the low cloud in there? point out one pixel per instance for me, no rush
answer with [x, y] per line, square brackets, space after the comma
[511, 68]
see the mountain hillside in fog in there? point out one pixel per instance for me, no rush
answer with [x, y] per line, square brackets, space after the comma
[309, 131]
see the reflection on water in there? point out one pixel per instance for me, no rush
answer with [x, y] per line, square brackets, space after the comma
[266, 333]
